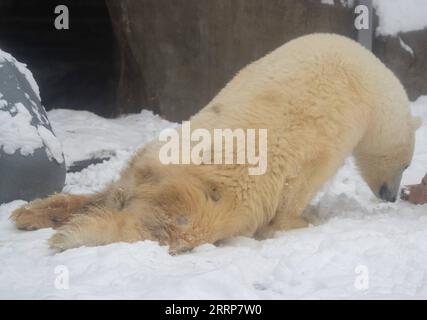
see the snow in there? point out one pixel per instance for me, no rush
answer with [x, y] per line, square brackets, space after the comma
[400, 16]
[362, 248]
[85, 135]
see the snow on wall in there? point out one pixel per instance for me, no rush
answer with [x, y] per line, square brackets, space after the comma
[394, 15]
[406, 47]
[344, 3]
[400, 16]
[328, 2]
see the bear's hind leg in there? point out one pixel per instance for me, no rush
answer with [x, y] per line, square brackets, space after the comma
[52, 211]
[100, 226]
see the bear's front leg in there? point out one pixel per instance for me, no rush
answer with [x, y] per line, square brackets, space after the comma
[52, 212]
[294, 212]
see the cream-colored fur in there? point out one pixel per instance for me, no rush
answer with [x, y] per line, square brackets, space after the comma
[322, 97]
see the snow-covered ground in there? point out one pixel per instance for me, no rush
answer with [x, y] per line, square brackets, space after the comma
[362, 249]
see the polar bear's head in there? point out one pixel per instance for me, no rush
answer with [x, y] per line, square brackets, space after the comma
[383, 156]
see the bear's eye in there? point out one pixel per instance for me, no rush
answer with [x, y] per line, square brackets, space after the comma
[406, 166]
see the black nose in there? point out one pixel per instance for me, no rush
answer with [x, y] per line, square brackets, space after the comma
[386, 194]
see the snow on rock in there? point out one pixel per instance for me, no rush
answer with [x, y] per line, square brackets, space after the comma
[400, 16]
[53, 146]
[3, 103]
[362, 248]
[17, 133]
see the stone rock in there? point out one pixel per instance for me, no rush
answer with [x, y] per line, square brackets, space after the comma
[31, 160]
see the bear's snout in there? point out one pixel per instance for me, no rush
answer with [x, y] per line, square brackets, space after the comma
[386, 194]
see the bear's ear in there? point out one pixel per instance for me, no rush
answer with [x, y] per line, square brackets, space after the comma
[416, 122]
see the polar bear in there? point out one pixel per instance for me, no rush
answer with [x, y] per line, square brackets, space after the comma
[322, 97]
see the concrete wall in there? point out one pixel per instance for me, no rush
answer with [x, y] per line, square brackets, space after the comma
[176, 55]
[410, 68]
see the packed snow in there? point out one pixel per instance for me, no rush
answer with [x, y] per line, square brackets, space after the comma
[85, 135]
[362, 247]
